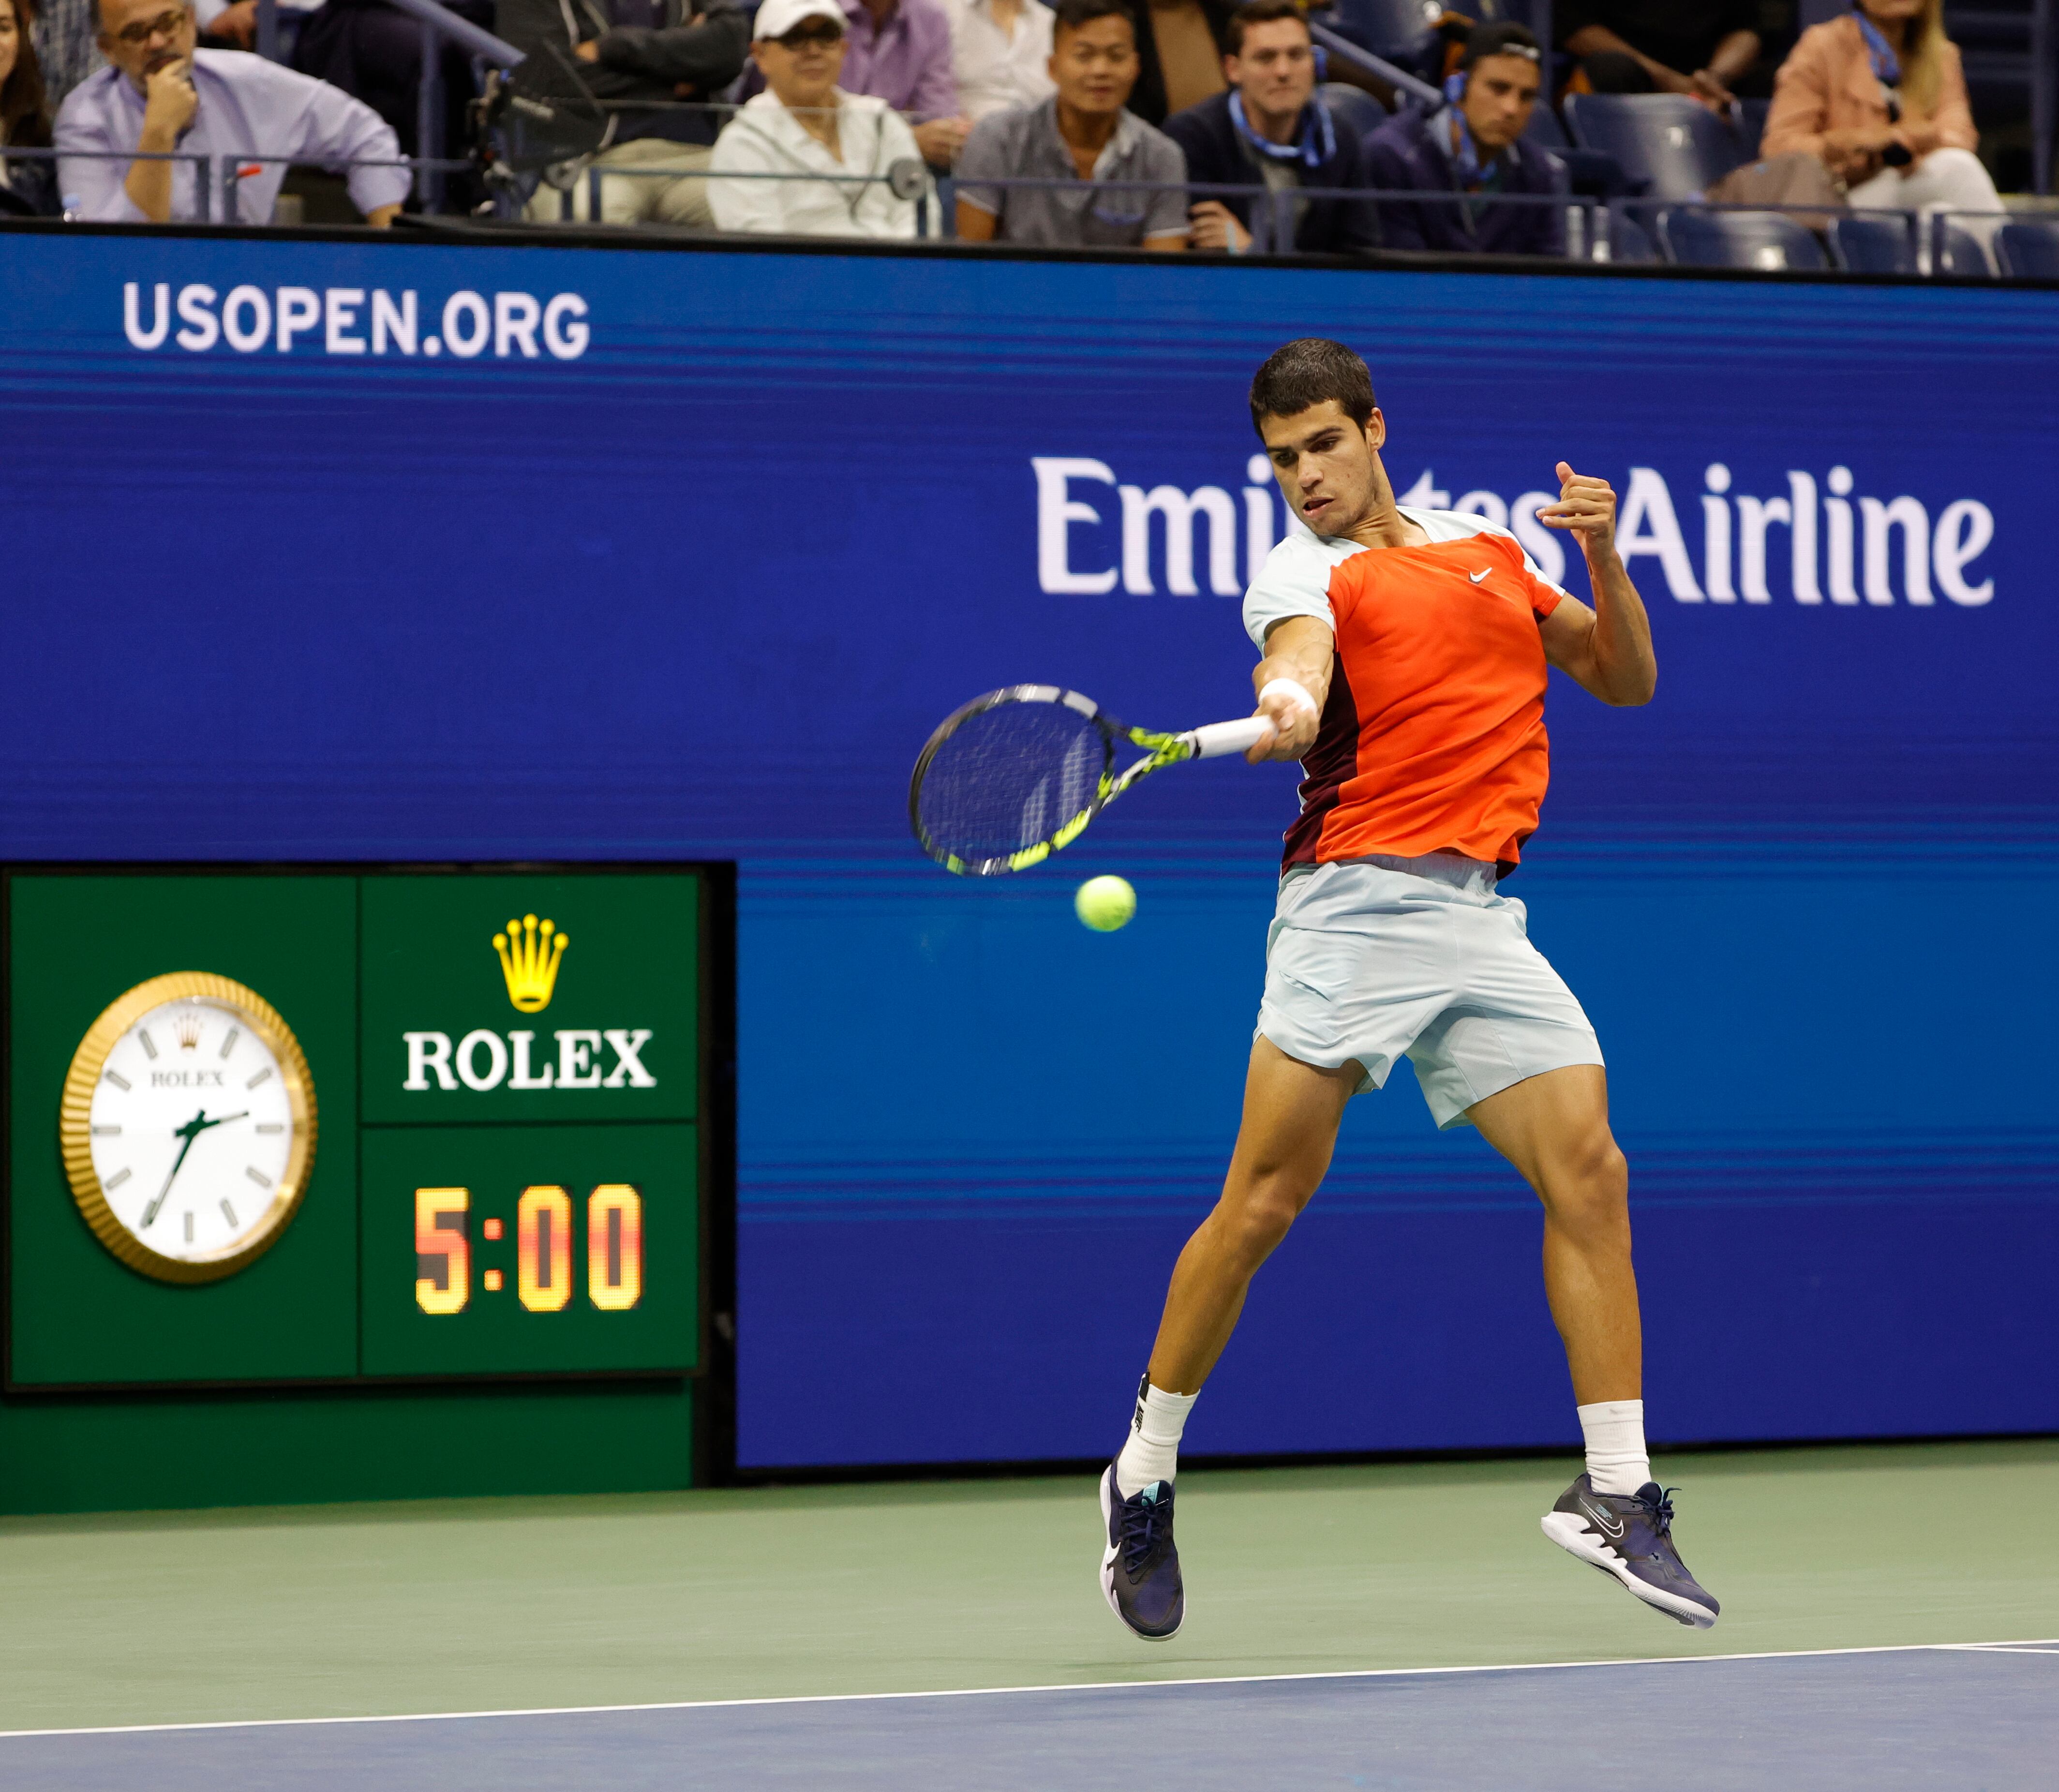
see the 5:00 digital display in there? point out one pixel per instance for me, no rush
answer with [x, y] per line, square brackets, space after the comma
[544, 1251]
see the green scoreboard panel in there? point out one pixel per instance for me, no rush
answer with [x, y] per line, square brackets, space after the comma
[330, 1125]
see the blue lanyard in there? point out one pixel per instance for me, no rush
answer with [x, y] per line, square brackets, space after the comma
[1886, 65]
[1316, 145]
[1466, 162]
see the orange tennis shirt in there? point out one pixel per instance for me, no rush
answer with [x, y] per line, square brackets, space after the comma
[1433, 738]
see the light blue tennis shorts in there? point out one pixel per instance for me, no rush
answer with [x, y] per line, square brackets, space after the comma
[1378, 957]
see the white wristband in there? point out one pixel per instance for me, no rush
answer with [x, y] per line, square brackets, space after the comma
[1288, 687]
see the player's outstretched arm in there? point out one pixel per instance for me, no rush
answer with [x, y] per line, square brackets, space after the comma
[1606, 650]
[1293, 682]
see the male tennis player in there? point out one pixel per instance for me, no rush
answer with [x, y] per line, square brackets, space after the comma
[1405, 664]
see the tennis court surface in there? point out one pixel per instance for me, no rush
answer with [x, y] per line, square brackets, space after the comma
[1888, 1615]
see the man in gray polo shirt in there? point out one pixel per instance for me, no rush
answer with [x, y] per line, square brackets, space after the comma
[1084, 138]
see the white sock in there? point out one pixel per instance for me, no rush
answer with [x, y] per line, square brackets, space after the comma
[1617, 1461]
[1152, 1451]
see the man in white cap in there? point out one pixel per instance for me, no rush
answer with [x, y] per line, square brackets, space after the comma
[804, 124]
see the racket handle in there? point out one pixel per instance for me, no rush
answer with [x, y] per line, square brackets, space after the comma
[1215, 740]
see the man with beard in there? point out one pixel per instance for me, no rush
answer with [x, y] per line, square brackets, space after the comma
[162, 96]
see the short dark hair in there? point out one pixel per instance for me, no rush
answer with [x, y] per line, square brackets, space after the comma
[1505, 38]
[1070, 15]
[1258, 12]
[1302, 374]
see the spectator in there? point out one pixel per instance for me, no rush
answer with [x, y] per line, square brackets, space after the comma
[66, 35]
[1701, 48]
[1180, 49]
[803, 124]
[1269, 129]
[1880, 97]
[1472, 147]
[687, 57]
[1084, 136]
[999, 53]
[373, 51]
[900, 51]
[26, 186]
[161, 94]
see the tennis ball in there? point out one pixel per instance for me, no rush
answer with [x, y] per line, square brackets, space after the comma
[1105, 904]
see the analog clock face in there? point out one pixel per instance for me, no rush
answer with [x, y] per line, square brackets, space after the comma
[197, 1125]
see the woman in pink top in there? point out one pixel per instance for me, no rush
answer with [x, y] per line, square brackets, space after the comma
[1879, 96]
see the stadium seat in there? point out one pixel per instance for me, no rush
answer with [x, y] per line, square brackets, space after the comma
[1962, 252]
[1587, 171]
[1356, 111]
[1670, 147]
[1875, 243]
[1629, 241]
[1402, 31]
[2029, 249]
[1766, 240]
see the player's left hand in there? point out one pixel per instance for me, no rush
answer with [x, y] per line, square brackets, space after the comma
[1585, 506]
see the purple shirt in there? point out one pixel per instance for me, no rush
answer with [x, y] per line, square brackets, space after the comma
[906, 61]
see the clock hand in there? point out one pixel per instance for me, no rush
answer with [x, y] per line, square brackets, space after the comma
[192, 1130]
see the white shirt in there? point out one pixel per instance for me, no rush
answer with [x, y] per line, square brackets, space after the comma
[766, 138]
[247, 107]
[1295, 580]
[994, 70]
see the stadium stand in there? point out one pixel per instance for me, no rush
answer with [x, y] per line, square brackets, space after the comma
[1354, 108]
[1669, 146]
[1878, 243]
[2029, 250]
[1767, 241]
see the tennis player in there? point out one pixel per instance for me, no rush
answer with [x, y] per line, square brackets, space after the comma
[1405, 664]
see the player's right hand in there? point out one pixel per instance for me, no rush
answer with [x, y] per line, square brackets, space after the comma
[1293, 732]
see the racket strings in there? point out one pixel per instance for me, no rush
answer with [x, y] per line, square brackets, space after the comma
[1010, 777]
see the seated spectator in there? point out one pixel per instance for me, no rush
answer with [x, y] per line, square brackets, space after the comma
[999, 50]
[1701, 48]
[900, 51]
[1472, 147]
[1082, 137]
[691, 56]
[161, 94]
[1269, 129]
[27, 185]
[1180, 48]
[66, 33]
[373, 51]
[804, 124]
[1880, 97]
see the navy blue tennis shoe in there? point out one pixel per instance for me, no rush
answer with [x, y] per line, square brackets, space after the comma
[1140, 1569]
[1630, 1536]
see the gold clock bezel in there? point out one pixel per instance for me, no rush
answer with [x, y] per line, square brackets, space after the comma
[74, 1128]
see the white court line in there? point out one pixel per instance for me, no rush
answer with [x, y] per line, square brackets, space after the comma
[2031, 1647]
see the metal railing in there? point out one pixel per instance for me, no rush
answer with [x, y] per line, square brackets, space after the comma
[1934, 242]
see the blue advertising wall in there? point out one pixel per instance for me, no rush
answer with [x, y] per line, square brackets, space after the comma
[395, 550]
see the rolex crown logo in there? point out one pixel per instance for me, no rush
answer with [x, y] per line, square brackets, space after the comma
[529, 951]
[187, 1028]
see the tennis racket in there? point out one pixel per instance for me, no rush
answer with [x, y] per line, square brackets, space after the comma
[1016, 775]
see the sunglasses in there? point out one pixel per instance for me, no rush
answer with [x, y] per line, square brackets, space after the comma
[822, 33]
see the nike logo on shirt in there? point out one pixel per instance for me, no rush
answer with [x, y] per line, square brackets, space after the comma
[1477, 576]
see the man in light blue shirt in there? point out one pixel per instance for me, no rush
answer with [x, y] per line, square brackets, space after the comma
[163, 96]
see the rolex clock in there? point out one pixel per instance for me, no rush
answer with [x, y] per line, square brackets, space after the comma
[188, 1127]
